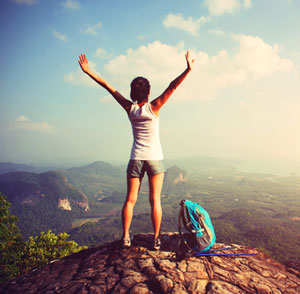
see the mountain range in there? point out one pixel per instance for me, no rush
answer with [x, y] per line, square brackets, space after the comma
[54, 199]
[6, 167]
[259, 210]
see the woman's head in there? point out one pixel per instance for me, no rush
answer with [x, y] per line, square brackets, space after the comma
[140, 89]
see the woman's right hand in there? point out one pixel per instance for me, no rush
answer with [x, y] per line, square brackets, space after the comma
[84, 64]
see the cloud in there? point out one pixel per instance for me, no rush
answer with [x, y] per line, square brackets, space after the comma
[24, 123]
[92, 29]
[219, 7]
[189, 25]
[60, 36]
[252, 61]
[258, 58]
[101, 53]
[157, 61]
[247, 4]
[160, 62]
[27, 2]
[71, 4]
[217, 32]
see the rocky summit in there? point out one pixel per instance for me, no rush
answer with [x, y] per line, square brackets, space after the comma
[140, 270]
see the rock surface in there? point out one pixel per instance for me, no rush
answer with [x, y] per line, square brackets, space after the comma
[139, 270]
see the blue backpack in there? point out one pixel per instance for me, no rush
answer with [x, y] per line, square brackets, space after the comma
[201, 235]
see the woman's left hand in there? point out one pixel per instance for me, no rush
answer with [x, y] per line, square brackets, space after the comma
[189, 61]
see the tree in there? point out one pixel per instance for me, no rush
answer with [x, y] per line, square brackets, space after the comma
[18, 256]
[11, 242]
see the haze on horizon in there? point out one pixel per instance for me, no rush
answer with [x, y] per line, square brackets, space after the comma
[241, 100]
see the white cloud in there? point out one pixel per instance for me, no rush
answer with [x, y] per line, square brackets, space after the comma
[157, 61]
[27, 2]
[218, 7]
[258, 58]
[71, 4]
[247, 4]
[189, 25]
[253, 60]
[92, 29]
[217, 32]
[60, 36]
[161, 63]
[22, 118]
[24, 123]
[101, 53]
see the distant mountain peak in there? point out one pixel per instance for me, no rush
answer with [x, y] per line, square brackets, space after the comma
[175, 175]
[97, 168]
[6, 167]
[137, 270]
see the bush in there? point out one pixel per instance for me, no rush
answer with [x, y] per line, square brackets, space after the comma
[18, 256]
[45, 247]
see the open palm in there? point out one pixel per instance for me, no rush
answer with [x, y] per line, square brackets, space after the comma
[189, 61]
[83, 62]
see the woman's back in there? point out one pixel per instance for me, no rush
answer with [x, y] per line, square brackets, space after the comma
[145, 129]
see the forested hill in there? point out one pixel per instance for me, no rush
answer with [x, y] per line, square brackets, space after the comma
[99, 168]
[95, 177]
[42, 201]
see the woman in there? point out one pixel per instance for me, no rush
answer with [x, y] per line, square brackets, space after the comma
[146, 153]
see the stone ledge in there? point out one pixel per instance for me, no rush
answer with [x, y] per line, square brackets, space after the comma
[112, 269]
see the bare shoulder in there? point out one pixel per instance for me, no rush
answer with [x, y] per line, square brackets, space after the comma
[154, 106]
[125, 103]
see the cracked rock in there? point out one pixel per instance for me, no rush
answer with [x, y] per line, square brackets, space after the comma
[139, 270]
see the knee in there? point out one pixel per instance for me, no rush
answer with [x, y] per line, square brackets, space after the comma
[154, 201]
[130, 200]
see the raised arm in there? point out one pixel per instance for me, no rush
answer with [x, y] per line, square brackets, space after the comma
[157, 103]
[84, 64]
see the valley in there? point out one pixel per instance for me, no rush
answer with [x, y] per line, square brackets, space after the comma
[254, 209]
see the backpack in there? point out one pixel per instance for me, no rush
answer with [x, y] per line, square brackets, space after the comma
[201, 235]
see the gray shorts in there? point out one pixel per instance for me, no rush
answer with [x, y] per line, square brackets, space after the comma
[137, 168]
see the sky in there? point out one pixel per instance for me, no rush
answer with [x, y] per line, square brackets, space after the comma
[241, 100]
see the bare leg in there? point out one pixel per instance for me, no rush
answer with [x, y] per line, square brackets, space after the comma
[133, 187]
[155, 186]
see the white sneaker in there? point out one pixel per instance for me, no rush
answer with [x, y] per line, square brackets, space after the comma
[126, 242]
[156, 244]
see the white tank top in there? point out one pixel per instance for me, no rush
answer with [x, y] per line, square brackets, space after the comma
[145, 129]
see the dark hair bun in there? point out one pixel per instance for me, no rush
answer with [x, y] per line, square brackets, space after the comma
[140, 89]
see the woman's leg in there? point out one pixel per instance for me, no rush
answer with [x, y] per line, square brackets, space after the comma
[133, 187]
[155, 186]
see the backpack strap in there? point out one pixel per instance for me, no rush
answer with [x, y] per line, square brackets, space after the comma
[186, 219]
[183, 244]
[203, 225]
